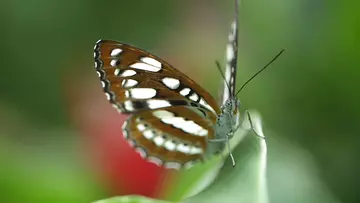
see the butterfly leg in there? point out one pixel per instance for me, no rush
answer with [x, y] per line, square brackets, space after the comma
[219, 139]
[225, 139]
[230, 154]
[251, 125]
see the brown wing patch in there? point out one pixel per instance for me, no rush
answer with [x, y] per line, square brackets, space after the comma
[122, 67]
[174, 137]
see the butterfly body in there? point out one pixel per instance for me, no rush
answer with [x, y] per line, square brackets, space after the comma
[225, 127]
[173, 121]
[228, 119]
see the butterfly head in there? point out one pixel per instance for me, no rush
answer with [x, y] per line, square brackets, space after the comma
[231, 106]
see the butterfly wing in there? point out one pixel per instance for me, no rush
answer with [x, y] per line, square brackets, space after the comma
[174, 137]
[231, 58]
[135, 80]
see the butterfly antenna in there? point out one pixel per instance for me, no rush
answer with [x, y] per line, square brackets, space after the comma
[222, 74]
[267, 65]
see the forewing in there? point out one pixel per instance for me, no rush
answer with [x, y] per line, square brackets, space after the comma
[173, 137]
[231, 58]
[135, 80]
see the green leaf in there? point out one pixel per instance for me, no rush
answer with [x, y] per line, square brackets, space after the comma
[130, 199]
[246, 182]
[193, 181]
[243, 183]
[291, 172]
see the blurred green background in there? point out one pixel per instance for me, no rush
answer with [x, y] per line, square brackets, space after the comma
[308, 99]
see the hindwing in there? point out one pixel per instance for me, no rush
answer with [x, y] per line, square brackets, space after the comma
[174, 136]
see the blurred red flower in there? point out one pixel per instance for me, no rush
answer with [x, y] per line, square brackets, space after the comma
[121, 169]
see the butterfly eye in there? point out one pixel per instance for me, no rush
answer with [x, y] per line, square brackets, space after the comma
[235, 109]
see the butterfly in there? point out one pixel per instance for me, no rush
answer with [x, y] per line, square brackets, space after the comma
[173, 122]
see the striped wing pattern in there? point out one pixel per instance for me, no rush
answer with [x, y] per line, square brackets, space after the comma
[134, 80]
[174, 136]
[172, 118]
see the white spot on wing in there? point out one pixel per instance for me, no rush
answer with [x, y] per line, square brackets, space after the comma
[142, 93]
[114, 62]
[115, 52]
[173, 120]
[172, 165]
[186, 126]
[108, 97]
[97, 43]
[196, 150]
[192, 128]
[232, 32]
[125, 134]
[141, 127]
[117, 108]
[155, 104]
[203, 132]
[170, 145]
[229, 52]
[129, 83]
[124, 125]
[131, 142]
[144, 66]
[116, 71]
[183, 148]
[149, 134]
[151, 61]
[202, 102]
[171, 83]
[163, 114]
[185, 91]
[194, 97]
[128, 106]
[127, 93]
[159, 140]
[154, 160]
[128, 73]
[141, 151]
